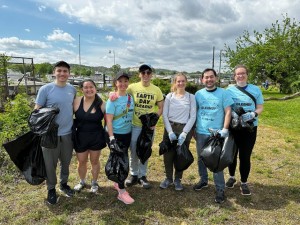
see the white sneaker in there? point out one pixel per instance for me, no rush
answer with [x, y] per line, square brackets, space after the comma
[79, 187]
[94, 188]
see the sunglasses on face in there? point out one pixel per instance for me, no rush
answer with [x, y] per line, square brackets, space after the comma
[146, 72]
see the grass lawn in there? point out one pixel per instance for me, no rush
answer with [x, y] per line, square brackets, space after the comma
[274, 181]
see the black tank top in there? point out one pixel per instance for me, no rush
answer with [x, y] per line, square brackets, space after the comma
[93, 121]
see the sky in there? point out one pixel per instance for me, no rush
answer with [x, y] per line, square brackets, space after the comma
[170, 34]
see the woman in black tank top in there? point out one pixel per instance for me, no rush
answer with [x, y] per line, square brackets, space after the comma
[91, 135]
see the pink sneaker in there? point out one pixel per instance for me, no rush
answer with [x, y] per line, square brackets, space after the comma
[116, 186]
[125, 197]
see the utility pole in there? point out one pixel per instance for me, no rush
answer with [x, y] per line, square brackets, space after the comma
[213, 59]
[79, 57]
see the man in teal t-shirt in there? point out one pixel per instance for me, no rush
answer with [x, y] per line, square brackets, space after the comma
[213, 112]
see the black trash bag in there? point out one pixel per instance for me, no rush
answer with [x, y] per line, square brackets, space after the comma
[144, 141]
[117, 166]
[211, 151]
[184, 158]
[26, 153]
[50, 139]
[227, 154]
[166, 146]
[237, 123]
[40, 119]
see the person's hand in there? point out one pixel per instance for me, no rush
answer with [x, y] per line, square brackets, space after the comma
[181, 138]
[113, 96]
[248, 116]
[223, 133]
[172, 136]
[113, 146]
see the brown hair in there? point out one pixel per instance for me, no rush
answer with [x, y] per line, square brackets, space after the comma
[173, 87]
[240, 66]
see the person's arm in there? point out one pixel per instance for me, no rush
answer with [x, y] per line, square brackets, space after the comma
[160, 107]
[109, 119]
[227, 117]
[103, 105]
[165, 114]
[259, 109]
[37, 106]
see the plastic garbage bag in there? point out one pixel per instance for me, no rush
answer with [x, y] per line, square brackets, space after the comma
[144, 141]
[40, 119]
[117, 166]
[26, 153]
[166, 146]
[237, 123]
[50, 139]
[184, 158]
[218, 153]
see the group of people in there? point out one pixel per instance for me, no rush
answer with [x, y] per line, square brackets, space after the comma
[185, 116]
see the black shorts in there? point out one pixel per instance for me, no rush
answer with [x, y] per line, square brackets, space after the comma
[94, 141]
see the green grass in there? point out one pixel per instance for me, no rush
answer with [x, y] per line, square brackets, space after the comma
[274, 181]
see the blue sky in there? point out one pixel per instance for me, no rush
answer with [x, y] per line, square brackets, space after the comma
[171, 34]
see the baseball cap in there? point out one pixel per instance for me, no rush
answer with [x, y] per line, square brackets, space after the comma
[121, 74]
[61, 63]
[144, 67]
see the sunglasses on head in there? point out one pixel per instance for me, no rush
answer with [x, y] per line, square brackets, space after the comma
[146, 72]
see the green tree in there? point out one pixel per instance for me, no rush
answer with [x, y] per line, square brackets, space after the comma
[116, 68]
[43, 69]
[274, 54]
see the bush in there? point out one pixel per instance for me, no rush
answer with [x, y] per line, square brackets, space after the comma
[13, 122]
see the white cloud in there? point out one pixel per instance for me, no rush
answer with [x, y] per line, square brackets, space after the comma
[109, 37]
[27, 30]
[4, 6]
[60, 35]
[41, 8]
[172, 34]
[16, 43]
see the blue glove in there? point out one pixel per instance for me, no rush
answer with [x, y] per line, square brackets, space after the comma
[181, 138]
[172, 136]
[248, 116]
[223, 133]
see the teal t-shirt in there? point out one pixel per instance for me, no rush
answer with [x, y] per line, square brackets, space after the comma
[210, 109]
[242, 100]
[121, 125]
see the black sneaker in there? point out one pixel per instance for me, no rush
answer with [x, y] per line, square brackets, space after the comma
[230, 183]
[245, 189]
[64, 188]
[200, 185]
[220, 197]
[143, 181]
[133, 180]
[52, 198]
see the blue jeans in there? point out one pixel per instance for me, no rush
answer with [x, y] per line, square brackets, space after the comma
[136, 167]
[201, 139]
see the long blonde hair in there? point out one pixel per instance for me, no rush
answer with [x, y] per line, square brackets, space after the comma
[173, 87]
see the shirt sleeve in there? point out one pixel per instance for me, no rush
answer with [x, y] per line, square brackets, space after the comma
[166, 113]
[192, 118]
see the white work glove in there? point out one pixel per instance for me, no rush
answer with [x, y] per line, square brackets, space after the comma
[248, 116]
[223, 133]
[172, 136]
[181, 138]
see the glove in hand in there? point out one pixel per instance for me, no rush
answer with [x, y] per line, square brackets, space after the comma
[172, 136]
[248, 116]
[181, 138]
[223, 133]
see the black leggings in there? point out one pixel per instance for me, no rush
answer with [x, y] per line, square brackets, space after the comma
[125, 140]
[245, 141]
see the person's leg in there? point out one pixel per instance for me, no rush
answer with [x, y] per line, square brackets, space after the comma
[247, 146]
[201, 139]
[134, 160]
[168, 159]
[66, 149]
[82, 158]
[94, 159]
[51, 160]
[219, 180]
